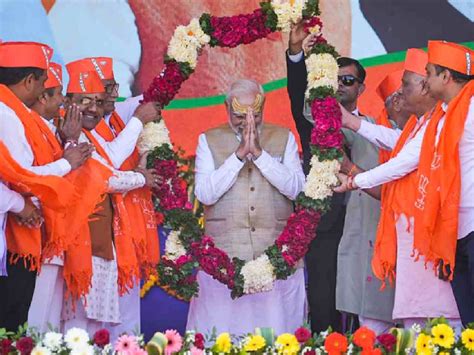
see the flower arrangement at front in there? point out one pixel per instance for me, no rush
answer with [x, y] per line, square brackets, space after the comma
[187, 247]
[437, 337]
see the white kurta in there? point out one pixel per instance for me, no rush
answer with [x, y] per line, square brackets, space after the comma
[122, 146]
[407, 304]
[10, 201]
[283, 308]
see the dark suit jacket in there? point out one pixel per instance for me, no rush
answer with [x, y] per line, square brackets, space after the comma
[297, 83]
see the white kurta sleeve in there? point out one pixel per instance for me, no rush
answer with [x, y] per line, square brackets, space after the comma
[286, 176]
[381, 136]
[127, 108]
[12, 134]
[123, 145]
[10, 201]
[404, 163]
[296, 58]
[212, 183]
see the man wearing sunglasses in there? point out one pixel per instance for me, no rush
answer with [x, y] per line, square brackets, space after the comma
[322, 258]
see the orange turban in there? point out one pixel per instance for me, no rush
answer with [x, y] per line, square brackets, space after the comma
[84, 83]
[416, 60]
[55, 76]
[390, 84]
[452, 56]
[25, 54]
[103, 66]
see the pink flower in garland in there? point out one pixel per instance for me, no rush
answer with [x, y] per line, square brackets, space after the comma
[327, 123]
[313, 22]
[126, 344]
[242, 29]
[166, 168]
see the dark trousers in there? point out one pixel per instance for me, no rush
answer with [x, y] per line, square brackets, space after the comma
[321, 264]
[463, 278]
[16, 293]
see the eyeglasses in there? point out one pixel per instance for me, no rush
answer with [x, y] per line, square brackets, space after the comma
[87, 101]
[112, 88]
[348, 80]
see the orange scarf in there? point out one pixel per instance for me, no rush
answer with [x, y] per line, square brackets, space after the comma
[26, 242]
[384, 155]
[139, 205]
[127, 263]
[439, 187]
[397, 198]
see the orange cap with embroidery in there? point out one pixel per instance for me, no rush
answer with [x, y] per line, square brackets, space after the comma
[390, 84]
[86, 82]
[25, 54]
[55, 76]
[451, 55]
[103, 66]
[416, 60]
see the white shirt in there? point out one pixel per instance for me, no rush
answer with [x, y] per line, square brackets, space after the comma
[380, 136]
[9, 201]
[12, 134]
[126, 109]
[212, 183]
[120, 181]
[123, 144]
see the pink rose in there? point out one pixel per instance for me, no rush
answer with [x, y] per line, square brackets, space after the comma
[303, 334]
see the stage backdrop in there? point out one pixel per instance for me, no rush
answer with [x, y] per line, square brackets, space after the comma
[136, 32]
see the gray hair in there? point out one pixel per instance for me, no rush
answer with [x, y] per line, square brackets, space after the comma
[243, 86]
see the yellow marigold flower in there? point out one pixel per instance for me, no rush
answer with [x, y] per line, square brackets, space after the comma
[424, 344]
[467, 338]
[255, 343]
[443, 335]
[224, 343]
[287, 344]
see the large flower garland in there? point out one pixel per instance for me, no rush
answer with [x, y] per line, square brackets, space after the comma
[187, 247]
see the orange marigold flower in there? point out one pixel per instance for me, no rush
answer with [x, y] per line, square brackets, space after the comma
[335, 344]
[371, 352]
[364, 338]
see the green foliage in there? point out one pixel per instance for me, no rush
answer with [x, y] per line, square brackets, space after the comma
[282, 269]
[321, 206]
[185, 222]
[238, 289]
[272, 19]
[327, 154]
[321, 92]
[311, 9]
[205, 23]
[172, 278]
[321, 48]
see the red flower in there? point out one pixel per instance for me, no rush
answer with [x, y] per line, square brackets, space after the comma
[25, 345]
[303, 334]
[6, 346]
[388, 341]
[312, 22]
[166, 85]
[310, 352]
[364, 338]
[371, 352]
[199, 341]
[101, 337]
[183, 259]
[335, 344]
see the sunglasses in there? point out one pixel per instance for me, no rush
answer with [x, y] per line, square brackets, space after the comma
[87, 101]
[348, 80]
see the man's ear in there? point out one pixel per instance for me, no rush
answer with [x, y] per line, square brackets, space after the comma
[29, 82]
[43, 99]
[361, 89]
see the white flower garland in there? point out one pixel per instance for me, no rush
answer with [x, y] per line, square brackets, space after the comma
[153, 135]
[321, 178]
[258, 274]
[173, 246]
[288, 12]
[322, 71]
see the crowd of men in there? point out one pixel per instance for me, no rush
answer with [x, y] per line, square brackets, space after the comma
[78, 224]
